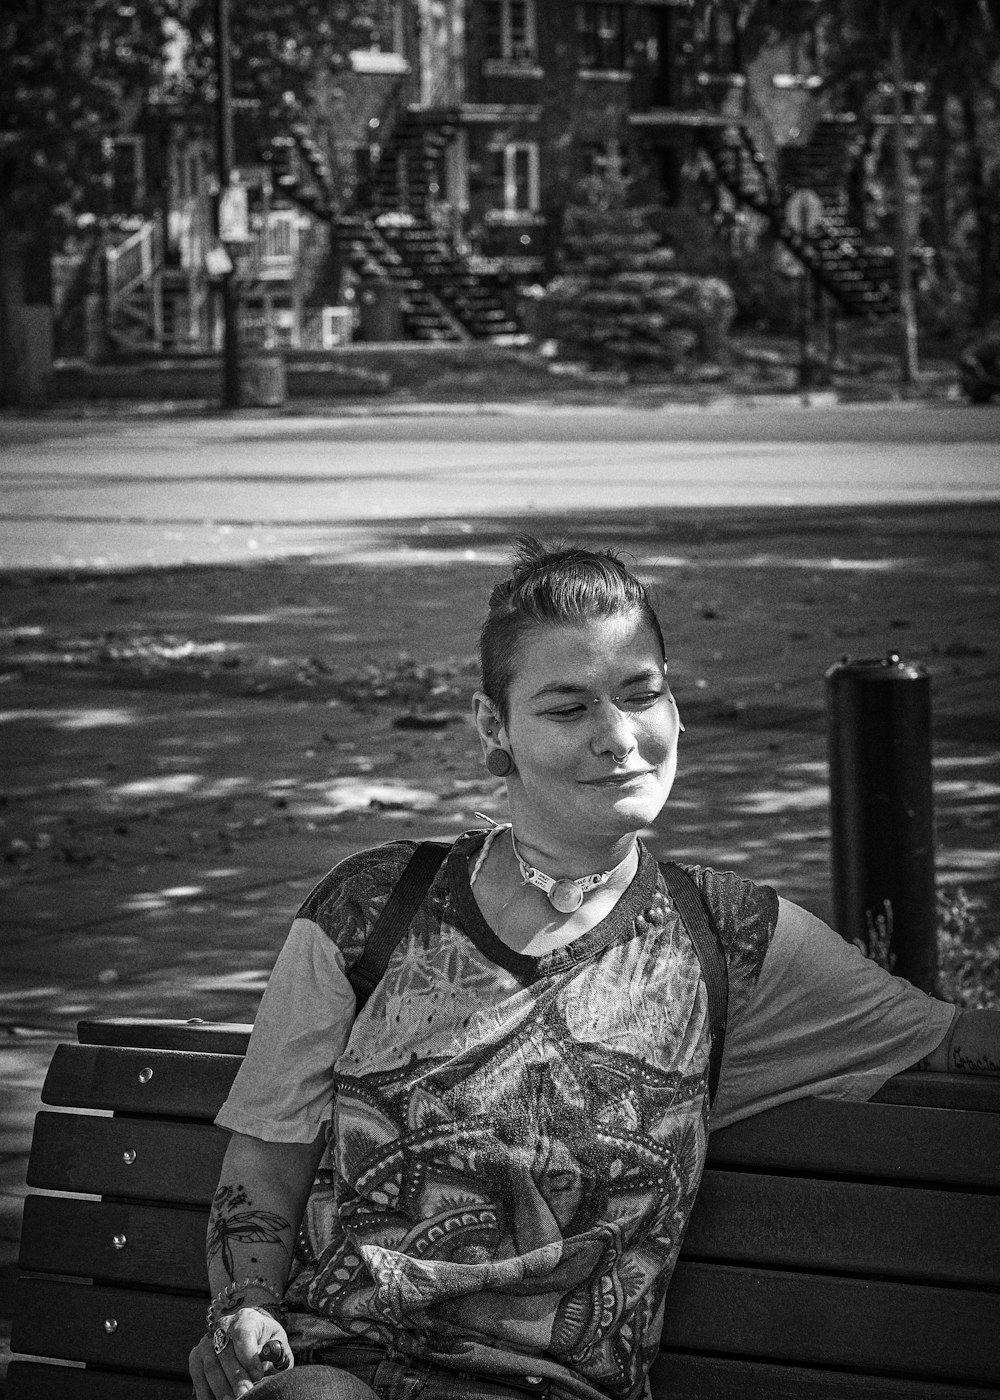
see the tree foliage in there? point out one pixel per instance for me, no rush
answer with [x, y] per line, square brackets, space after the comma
[75, 74]
[279, 48]
[955, 41]
[951, 48]
[618, 302]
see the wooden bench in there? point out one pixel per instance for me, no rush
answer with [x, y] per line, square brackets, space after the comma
[836, 1249]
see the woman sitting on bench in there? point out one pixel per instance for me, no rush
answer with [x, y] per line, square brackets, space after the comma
[477, 1184]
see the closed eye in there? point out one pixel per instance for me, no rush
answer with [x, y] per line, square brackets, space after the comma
[643, 700]
[567, 712]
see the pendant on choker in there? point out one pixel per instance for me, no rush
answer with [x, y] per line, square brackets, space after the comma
[565, 896]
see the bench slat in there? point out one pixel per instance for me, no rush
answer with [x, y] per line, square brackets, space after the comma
[846, 1227]
[971, 1092]
[891, 1141]
[212, 1037]
[977, 1093]
[674, 1377]
[894, 1328]
[173, 1083]
[162, 1246]
[33, 1380]
[173, 1161]
[930, 1333]
[680, 1377]
[739, 1218]
[152, 1332]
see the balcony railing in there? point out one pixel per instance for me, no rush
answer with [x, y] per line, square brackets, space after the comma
[275, 250]
[133, 262]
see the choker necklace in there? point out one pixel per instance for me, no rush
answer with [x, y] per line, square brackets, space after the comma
[565, 896]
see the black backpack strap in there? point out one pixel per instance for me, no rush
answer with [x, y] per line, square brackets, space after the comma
[397, 915]
[690, 905]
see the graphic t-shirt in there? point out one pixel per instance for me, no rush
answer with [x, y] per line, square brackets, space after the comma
[516, 1142]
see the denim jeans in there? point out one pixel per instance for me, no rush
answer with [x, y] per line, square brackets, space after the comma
[362, 1374]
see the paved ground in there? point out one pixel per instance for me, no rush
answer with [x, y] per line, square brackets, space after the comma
[119, 493]
[187, 749]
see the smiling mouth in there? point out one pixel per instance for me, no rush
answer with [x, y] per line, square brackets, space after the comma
[617, 779]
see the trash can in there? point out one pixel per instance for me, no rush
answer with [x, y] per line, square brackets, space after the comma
[380, 310]
[263, 381]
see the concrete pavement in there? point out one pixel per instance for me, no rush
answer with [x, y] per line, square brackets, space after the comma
[137, 492]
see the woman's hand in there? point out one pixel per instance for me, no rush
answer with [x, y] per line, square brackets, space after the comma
[237, 1366]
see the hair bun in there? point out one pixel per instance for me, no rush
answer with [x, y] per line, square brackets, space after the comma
[501, 594]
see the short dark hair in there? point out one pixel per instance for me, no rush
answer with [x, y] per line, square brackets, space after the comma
[546, 587]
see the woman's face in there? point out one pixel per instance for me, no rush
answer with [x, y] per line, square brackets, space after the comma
[592, 728]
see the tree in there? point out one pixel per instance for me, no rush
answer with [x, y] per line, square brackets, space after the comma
[618, 302]
[953, 48]
[76, 72]
[280, 48]
[287, 60]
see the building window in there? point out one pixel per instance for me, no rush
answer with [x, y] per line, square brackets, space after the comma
[600, 31]
[510, 30]
[126, 164]
[515, 172]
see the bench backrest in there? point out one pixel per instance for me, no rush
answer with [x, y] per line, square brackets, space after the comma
[835, 1249]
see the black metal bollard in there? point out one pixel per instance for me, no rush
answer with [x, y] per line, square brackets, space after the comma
[882, 813]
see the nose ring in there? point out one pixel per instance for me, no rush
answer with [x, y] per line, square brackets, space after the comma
[619, 757]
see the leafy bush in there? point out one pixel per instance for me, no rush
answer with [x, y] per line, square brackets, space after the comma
[619, 302]
[766, 298]
[969, 957]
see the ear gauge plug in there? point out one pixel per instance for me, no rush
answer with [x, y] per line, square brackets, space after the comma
[499, 763]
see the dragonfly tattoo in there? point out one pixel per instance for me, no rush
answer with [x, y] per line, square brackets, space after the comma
[235, 1220]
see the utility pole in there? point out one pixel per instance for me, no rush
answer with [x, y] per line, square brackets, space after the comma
[225, 153]
[904, 263]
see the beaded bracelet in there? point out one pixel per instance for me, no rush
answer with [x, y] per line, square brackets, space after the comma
[226, 1300]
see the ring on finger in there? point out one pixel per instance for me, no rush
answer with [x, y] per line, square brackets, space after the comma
[220, 1340]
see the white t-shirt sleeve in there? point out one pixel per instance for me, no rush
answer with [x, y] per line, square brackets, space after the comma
[823, 1021]
[283, 1091]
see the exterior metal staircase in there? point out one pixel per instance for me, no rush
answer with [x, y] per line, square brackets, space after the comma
[134, 290]
[153, 308]
[393, 229]
[425, 316]
[862, 279]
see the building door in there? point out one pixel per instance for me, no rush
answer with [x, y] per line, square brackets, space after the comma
[665, 92]
[656, 57]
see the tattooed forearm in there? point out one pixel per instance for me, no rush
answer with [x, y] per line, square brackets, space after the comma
[236, 1220]
[263, 1190]
[973, 1064]
[972, 1045]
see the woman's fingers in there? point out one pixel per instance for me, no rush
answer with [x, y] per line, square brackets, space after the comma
[244, 1347]
[226, 1378]
[260, 1343]
[210, 1376]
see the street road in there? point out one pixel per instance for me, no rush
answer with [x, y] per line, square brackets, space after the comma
[132, 491]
